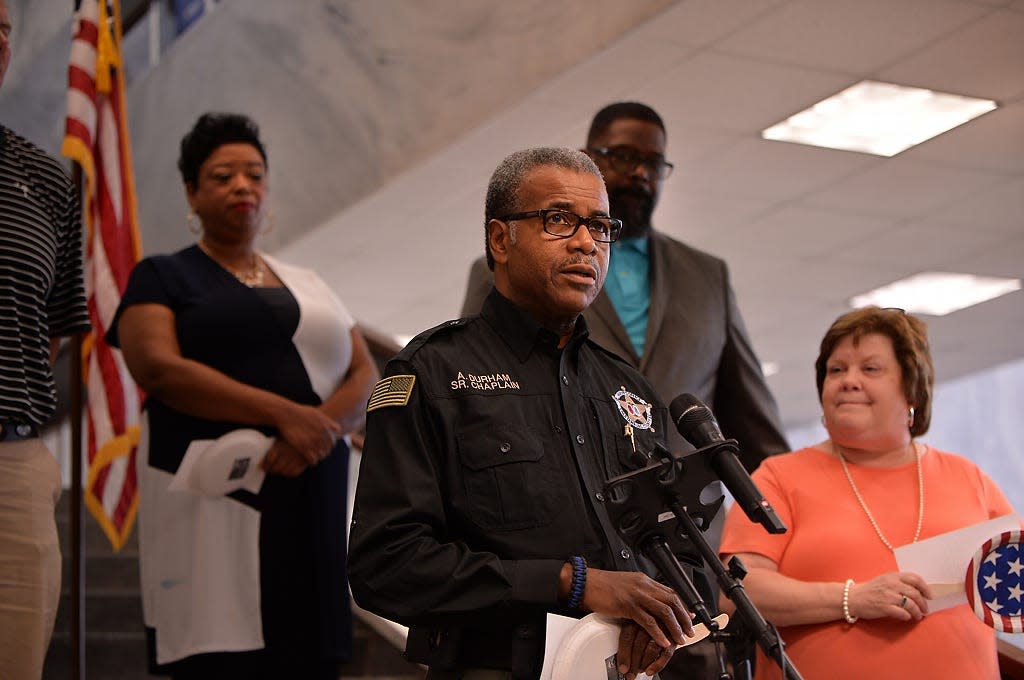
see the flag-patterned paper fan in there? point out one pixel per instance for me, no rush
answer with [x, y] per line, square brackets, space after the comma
[995, 582]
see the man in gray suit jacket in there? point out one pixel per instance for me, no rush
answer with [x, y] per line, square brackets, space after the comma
[666, 307]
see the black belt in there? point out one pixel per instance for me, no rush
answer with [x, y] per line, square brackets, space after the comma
[16, 432]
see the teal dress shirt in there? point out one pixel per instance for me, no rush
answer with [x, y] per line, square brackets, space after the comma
[629, 287]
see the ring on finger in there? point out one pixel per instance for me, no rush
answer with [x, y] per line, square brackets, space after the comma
[903, 602]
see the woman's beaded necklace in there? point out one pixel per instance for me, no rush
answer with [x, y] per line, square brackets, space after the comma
[864, 506]
[252, 278]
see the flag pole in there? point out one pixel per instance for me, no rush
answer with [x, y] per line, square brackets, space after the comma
[96, 139]
[77, 553]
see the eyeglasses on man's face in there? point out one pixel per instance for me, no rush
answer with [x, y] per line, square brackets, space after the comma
[624, 159]
[563, 224]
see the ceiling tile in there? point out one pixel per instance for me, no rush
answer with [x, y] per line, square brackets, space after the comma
[1003, 258]
[707, 220]
[997, 208]
[993, 142]
[804, 233]
[734, 94]
[702, 22]
[902, 187]
[924, 245]
[852, 36]
[765, 169]
[982, 59]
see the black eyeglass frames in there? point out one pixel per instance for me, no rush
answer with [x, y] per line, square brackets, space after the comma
[563, 224]
[624, 159]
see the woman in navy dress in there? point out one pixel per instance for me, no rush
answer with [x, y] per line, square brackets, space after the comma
[222, 337]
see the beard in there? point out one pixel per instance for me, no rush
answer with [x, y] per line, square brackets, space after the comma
[634, 205]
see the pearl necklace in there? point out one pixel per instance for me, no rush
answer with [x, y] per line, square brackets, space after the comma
[252, 278]
[864, 506]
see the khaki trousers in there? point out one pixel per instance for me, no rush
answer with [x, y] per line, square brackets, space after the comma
[30, 485]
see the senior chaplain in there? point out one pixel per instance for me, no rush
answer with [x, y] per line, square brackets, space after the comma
[479, 507]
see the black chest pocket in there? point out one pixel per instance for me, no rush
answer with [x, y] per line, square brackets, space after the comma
[506, 476]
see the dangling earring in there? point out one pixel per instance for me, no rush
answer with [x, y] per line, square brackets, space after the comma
[270, 221]
[190, 223]
[910, 420]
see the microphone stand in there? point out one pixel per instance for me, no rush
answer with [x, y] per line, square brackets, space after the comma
[637, 503]
[729, 581]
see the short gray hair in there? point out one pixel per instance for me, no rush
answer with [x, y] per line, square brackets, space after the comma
[503, 189]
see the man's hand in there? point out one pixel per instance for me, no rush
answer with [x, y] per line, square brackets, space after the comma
[652, 607]
[639, 653]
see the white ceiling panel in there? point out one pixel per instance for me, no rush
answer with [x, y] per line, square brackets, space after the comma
[928, 244]
[776, 170]
[985, 59]
[734, 94]
[993, 142]
[802, 233]
[703, 22]
[902, 187]
[999, 208]
[851, 36]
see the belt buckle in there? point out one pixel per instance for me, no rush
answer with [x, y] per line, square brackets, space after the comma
[16, 431]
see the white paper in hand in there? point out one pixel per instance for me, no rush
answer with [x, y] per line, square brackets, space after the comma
[944, 558]
[216, 467]
[585, 649]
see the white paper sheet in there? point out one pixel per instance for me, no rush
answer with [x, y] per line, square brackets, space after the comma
[944, 558]
[584, 649]
[216, 467]
[557, 628]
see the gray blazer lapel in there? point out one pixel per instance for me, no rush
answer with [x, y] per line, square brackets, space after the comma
[660, 276]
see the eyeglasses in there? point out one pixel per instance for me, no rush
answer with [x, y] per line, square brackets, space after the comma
[563, 224]
[623, 159]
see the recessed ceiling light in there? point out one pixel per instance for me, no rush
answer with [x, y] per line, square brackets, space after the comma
[937, 293]
[878, 118]
[769, 368]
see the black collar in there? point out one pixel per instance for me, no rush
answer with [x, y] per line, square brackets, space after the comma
[520, 331]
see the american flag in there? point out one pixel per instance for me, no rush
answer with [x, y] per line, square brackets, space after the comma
[995, 582]
[96, 137]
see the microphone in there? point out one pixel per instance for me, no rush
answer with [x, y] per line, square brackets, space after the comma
[698, 426]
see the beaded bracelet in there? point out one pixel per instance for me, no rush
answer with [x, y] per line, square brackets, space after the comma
[579, 581]
[846, 603]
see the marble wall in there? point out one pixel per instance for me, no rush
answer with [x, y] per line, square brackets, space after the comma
[348, 92]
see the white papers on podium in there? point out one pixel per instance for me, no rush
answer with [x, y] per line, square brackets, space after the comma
[944, 558]
[584, 649]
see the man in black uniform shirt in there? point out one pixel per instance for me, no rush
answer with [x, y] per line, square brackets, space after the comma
[479, 507]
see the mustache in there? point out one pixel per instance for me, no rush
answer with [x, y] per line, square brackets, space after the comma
[584, 260]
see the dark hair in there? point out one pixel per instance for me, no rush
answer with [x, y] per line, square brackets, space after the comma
[503, 189]
[211, 131]
[909, 336]
[622, 110]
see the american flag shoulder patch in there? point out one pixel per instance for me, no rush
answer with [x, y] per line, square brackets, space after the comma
[391, 391]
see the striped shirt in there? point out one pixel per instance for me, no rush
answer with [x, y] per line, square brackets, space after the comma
[41, 290]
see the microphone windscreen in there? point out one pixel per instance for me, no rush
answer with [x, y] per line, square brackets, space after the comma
[694, 420]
